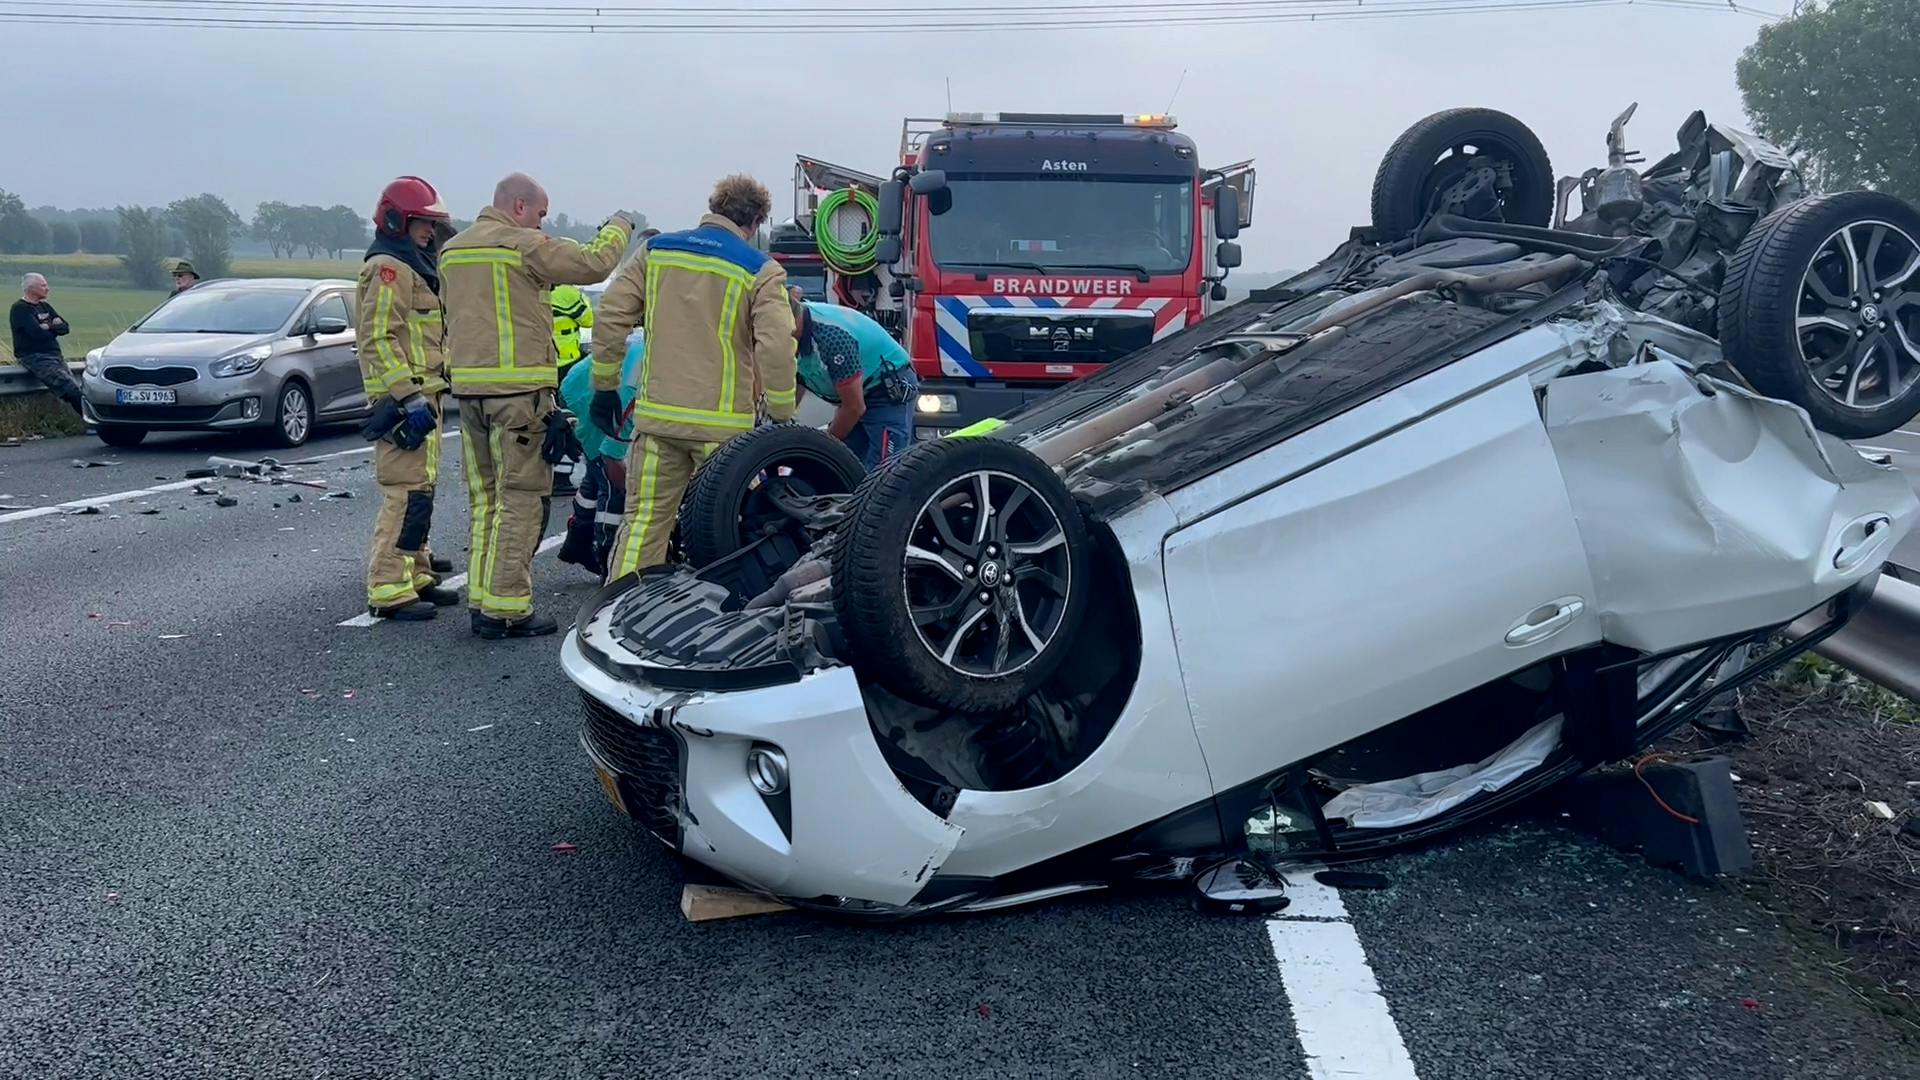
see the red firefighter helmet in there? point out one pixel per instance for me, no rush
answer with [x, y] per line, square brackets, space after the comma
[403, 200]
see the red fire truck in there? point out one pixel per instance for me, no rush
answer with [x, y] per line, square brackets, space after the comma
[1013, 252]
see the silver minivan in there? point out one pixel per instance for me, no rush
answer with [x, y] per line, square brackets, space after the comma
[274, 354]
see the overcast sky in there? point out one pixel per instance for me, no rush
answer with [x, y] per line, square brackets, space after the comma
[149, 115]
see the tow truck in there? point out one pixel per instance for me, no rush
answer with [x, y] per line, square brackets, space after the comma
[1014, 252]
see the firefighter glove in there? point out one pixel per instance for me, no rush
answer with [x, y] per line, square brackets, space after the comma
[604, 411]
[419, 416]
[560, 444]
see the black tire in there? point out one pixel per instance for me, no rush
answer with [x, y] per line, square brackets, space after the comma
[1412, 175]
[717, 514]
[293, 399]
[1775, 281]
[121, 435]
[877, 584]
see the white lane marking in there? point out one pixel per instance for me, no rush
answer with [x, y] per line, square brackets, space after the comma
[177, 485]
[1344, 1025]
[454, 582]
[1904, 431]
[95, 500]
[1881, 450]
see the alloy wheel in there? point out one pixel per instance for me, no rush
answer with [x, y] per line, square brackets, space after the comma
[1858, 315]
[987, 574]
[293, 414]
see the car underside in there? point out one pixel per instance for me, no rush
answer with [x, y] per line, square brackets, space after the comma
[1471, 506]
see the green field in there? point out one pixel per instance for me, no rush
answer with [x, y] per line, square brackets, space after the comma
[92, 294]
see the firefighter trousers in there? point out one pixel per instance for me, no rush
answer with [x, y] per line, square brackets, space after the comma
[400, 564]
[507, 484]
[657, 474]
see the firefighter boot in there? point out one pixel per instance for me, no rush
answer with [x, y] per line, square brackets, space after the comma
[492, 629]
[413, 611]
[577, 548]
[440, 595]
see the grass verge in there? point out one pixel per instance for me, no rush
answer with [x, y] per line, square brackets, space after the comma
[26, 415]
[1826, 750]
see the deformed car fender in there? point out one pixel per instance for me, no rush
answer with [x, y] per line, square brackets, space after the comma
[1704, 506]
[888, 845]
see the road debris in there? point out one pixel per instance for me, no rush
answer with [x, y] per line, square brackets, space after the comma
[482, 727]
[204, 489]
[1880, 810]
[150, 511]
[86, 463]
[294, 498]
[198, 474]
[171, 637]
[1351, 879]
[565, 848]
[338, 495]
[82, 511]
[226, 500]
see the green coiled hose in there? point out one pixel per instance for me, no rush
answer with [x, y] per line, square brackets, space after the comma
[850, 259]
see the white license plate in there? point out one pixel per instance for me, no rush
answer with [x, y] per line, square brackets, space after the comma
[146, 397]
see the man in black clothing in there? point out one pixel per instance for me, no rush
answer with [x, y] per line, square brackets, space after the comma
[37, 330]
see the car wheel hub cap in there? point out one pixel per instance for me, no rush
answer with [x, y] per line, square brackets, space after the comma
[986, 574]
[1858, 314]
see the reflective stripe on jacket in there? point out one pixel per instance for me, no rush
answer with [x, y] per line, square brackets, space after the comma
[494, 276]
[715, 315]
[398, 331]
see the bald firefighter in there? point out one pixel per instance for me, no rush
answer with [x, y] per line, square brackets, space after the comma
[398, 336]
[496, 277]
[717, 328]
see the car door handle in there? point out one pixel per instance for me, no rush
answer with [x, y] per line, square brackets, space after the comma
[1545, 621]
[1861, 538]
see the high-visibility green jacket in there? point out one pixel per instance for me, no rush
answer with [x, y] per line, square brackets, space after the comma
[571, 311]
[494, 279]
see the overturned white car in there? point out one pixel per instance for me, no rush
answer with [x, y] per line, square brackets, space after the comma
[1475, 504]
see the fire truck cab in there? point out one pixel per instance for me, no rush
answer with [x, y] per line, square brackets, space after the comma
[1014, 252]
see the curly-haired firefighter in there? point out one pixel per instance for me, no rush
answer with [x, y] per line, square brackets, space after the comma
[718, 332]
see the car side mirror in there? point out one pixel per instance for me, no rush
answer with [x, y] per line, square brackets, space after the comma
[327, 324]
[887, 250]
[1218, 293]
[1226, 212]
[892, 199]
[926, 183]
[1227, 255]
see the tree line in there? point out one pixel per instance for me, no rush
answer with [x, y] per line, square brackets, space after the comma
[203, 228]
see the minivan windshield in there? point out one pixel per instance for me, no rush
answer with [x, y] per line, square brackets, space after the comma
[223, 311]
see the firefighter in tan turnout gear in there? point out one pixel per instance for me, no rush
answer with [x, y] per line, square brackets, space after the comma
[718, 328]
[398, 334]
[495, 279]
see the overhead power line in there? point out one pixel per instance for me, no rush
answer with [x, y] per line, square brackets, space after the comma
[659, 19]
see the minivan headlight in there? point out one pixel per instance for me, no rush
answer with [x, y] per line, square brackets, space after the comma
[244, 362]
[93, 362]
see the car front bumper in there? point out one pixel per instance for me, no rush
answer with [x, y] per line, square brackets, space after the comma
[202, 403]
[677, 762]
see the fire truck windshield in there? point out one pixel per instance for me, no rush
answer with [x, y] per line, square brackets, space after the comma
[1060, 224]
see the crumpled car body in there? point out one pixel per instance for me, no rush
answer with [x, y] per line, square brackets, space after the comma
[1431, 528]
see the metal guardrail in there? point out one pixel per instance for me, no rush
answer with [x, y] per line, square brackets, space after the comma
[16, 380]
[1882, 641]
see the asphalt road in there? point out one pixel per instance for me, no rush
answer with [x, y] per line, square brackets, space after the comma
[240, 839]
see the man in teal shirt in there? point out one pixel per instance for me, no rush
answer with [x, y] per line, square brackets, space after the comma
[850, 361]
[600, 501]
